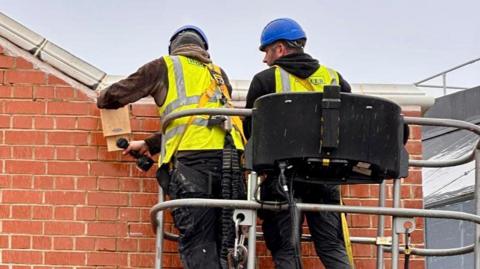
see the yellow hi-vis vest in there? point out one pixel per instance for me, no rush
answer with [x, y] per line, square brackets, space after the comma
[286, 82]
[188, 79]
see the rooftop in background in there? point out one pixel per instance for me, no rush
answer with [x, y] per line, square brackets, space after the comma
[442, 143]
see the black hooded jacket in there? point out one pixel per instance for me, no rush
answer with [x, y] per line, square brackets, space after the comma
[301, 65]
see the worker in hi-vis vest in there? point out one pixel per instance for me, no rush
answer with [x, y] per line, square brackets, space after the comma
[198, 154]
[292, 70]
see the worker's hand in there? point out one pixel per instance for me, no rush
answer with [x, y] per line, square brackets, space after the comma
[138, 145]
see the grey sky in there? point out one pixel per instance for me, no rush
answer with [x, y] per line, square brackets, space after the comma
[369, 41]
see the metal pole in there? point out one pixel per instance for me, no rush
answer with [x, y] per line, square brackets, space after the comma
[381, 224]
[159, 239]
[252, 230]
[444, 82]
[477, 207]
[395, 241]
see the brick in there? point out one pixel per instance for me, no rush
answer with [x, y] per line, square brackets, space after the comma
[24, 137]
[22, 152]
[64, 228]
[21, 196]
[44, 153]
[22, 257]
[67, 168]
[107, 198]
[415, 132]
[87, 153]
[7, 61]
[105, 244]
[62, 243]
[43, 182]
[414, 177]
[413, 203]
[108, 184]
[85, 123]
[360, 220]
[5, 91]
[85, 213]
[150, 185]
[67, 138]
[107, 229]
[25, 107]
[412, 111]
[5, 121]
[22, 227]
[44, 92]
[25, 77]
[54, 80]
[104, 155]
[140, 230]
[84, 243]
[130, 185]
[20, 242]
[65, 123]
[110, 169]
[5, 153]
[146, 245]
[22, 63]
[24, 167]
[145, 200]
[151, 125]
[42, 212]
[41, 122]
[87, 183]
[22, 122]
[21, 212]
[41, 242]
[63, 213]
[107, 213]
[136, 125]
[129, 214]
[64, 183]
[106, 258]
[65, 198]
[4, 242]
[68, 108]
[23, 92]
[144, 110]
[64, 92]
[4, 211]
[65, 153]
[414, 147]
[22, 181]
[126, 244]
[65, 258]
[142, 260]
[97, 139]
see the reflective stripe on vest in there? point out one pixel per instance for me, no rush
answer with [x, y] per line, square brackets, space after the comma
[323, 76]
[187, 81]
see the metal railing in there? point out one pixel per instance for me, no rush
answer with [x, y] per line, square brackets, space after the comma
[398, 214]
[444, 78]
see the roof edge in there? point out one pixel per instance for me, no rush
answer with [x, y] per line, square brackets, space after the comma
[48, 52]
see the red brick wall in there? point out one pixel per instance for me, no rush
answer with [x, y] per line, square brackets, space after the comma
[65, 201]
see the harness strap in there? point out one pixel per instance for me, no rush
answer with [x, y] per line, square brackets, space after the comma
[346, 236]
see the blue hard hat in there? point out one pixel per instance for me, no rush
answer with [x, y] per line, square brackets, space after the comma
[281, 29]
[191, 28]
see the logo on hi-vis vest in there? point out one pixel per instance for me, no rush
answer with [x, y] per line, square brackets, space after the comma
[316, 81]
[193, 61]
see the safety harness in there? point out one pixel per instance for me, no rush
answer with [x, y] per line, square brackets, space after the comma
[231, 184]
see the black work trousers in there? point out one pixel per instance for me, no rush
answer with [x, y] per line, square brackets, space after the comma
[325, 227]
[199, 242]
